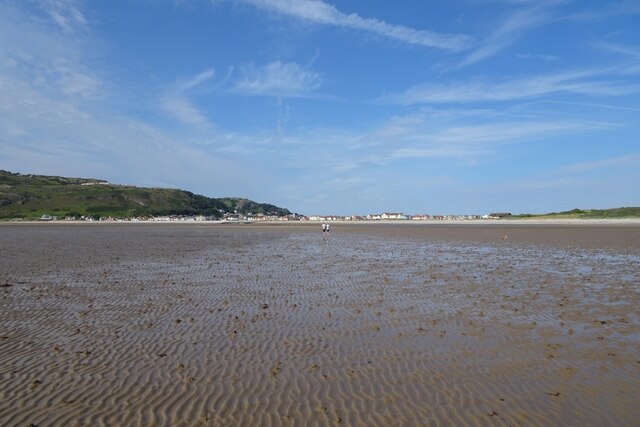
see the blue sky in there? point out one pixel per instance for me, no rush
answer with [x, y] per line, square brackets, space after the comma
[341, 107]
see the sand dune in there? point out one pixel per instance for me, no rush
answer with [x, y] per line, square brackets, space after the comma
[276, 326]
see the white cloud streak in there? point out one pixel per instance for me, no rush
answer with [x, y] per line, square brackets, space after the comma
[422, 136]
[279, 79]
[548, 184]
[51, 58]
[197, 80]
[506, 35]
[77, 83]
[66, 14]
[319, 12]
[440, 152]
[628, 161]
[587, 82]
[176, 103]
[472, 141]
[608, 10]
[632, 52]
[183, 110]
[536, 56]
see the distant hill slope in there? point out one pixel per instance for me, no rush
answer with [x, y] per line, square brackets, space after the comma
[31, 196]
[630, 212]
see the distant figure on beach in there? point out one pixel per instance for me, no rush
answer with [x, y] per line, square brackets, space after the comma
[324, 228]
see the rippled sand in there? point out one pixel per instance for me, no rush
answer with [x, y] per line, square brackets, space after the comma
[275, 326]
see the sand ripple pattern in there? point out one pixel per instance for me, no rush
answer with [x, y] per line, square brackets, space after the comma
[214, 326]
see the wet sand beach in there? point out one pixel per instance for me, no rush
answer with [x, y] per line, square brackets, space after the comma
[279, 325]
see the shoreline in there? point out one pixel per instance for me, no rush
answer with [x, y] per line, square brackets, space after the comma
[476, 222]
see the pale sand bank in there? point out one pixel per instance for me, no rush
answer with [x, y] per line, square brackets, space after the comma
[374, 325]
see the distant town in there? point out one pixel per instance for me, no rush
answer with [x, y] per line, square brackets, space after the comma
[248, 218]
[55, 198]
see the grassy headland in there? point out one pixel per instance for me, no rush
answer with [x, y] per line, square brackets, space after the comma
[616, 213]
[31, 196]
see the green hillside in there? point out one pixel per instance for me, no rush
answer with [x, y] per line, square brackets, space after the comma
[31, 196]
[630, 212]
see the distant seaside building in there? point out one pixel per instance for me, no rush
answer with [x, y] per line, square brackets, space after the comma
[392, 215]
[420, 217]
[497, 215]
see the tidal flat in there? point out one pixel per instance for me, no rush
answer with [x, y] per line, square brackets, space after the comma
[282, 325]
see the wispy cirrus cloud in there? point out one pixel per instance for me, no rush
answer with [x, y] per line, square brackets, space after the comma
[472, 140]
[197, 80]
[438, 152]
[79, 83]
[506, 34]
[177, 103]
[46, 48]
[286, 79]
[183, 110]
[319, 12]
[628, 161]
[631, 52]
[538, 56]
[547, 184]
[596, 82]
[424, 135]
[605, 10]
[66, 14]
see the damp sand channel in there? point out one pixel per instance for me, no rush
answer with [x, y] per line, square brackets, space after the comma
[212, 325]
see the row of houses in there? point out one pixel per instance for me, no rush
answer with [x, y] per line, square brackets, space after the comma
[235, 217]
[230, 217]
[395, 216]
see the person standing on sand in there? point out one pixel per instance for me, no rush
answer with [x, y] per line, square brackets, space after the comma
[325, 232]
